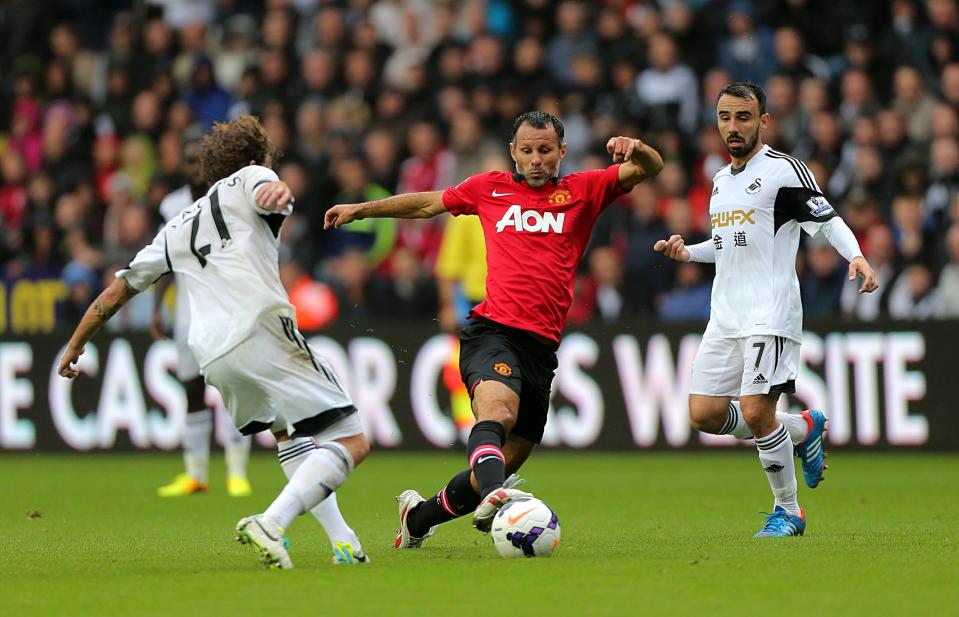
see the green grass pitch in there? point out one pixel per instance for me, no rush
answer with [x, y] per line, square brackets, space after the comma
[643, 534]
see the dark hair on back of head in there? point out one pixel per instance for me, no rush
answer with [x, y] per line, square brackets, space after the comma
[747, 90]
[230, 146]
[538, 120]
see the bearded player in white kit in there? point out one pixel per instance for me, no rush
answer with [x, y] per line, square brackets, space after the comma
[225, 249]
[750, 350]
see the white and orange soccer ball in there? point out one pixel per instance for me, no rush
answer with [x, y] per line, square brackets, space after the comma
[525, 528]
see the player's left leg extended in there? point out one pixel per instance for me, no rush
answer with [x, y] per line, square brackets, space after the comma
[458, 498]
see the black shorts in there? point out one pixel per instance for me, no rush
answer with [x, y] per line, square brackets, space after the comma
[492, 351]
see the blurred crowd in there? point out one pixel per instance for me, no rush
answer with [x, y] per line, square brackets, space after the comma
[367, 98]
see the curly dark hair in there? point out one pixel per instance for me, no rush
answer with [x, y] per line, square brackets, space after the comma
[230, 146]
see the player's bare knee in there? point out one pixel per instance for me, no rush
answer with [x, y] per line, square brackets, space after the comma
[496, 402]
[759, 414]
[496, 411]
[707, 413]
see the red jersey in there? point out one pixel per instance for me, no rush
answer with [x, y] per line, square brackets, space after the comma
[535, 238]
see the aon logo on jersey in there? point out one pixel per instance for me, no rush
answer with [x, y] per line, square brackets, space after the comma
[531, 220]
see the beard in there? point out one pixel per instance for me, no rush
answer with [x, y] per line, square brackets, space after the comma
[742, 149]
[547, 175]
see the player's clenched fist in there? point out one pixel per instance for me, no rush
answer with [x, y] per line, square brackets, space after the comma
[674, 248]
[621, 148]
[340, 215]
[70, 357]
[274, 196]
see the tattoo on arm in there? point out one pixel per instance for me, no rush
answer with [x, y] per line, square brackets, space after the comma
[105, 309]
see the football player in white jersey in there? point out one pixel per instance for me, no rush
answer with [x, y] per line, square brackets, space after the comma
[199, 419]
[225, 249]
[750, 350]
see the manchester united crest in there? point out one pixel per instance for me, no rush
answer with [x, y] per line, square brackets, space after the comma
[503, 369]
[559, 197]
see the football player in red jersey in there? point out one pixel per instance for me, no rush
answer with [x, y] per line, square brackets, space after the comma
[537, 226]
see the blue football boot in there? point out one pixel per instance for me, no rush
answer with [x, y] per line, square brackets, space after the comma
[810, 450]
[781, 524]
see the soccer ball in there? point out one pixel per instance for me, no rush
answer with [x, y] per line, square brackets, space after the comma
[525, 528]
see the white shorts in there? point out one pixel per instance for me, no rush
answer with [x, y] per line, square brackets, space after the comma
[274, 381]
[762, 364]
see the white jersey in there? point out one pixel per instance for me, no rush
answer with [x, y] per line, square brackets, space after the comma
[756, 213]
[225, 252]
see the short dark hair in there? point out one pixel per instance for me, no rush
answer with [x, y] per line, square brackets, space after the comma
[746, 90]
[538, 120]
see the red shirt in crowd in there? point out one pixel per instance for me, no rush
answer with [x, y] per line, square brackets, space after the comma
[535, 238]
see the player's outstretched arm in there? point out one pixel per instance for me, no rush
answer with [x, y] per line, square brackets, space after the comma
[103, 308]
[639, 160]
[409, 206]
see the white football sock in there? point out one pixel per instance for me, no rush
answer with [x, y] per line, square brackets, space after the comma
[196, 443]
[776, 457]
[236, 451]
[795, 424]
[735, 424]
[291, 454]
[323, 471]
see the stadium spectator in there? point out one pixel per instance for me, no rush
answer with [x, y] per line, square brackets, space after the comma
[858, 98]
[913, 102]
[792, 60]
[689, 299]
[913, 240]
[647, 275]
[374, 238]
[782, 103]
[913, 295]
[943, 180]
[880, 250]
[603, 294]
[407, 293]
[668, 88]
[236, 51]
[824, 281]
[947, 306]
[573, 38]
[748, 51]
